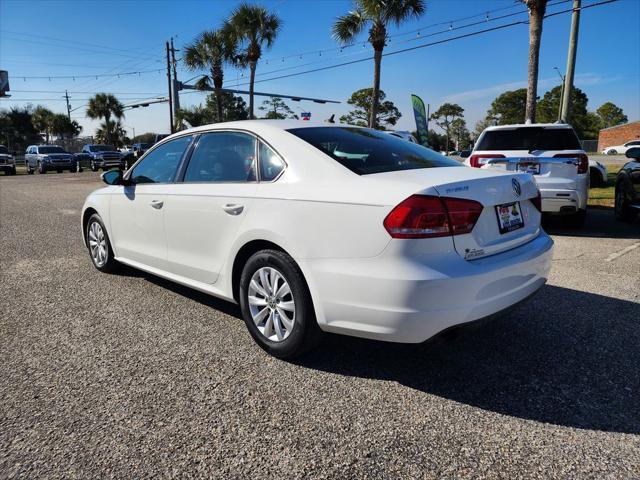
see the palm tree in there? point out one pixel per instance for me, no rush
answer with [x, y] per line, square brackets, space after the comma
[537, 9]
[211, 50]
[252, 26]
[105, 105]
[377, 14]
[43, 120]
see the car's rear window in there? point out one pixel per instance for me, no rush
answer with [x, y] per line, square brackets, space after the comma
[51, 150]
[530, 138]
[365, 151]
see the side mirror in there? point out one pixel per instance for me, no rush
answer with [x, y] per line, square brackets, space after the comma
[112, 177]
[633, 152]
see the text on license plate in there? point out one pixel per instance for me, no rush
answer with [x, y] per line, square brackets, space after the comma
[509, 217]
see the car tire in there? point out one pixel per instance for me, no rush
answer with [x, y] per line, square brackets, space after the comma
[595, 178]
[621, 208]
[612, 152]
[99, 245]
[41, 168]
[575, 220]
[12, 171]
[59, 171]
[30, 171]
[94, 168]
[291, 289]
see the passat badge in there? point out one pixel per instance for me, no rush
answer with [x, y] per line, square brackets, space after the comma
[516, 187]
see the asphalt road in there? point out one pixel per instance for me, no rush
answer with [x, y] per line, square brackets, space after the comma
[129, 376]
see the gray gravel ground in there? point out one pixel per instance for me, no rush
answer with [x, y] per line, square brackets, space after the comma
[129, 376]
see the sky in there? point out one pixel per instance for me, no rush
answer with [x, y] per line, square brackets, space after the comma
[109, 39]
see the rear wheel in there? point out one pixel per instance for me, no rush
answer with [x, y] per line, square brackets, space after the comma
[612, 152]
[12, 171]
[622, 210]
[30, 170]
[595, 178]
[99, 245]
[276, 305]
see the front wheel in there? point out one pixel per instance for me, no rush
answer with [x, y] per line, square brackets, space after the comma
[41, 168]
[99, 245]
[277, 306]
[94, 168]
[612, 152]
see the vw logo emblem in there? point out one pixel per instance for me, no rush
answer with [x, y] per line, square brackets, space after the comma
[516, 187]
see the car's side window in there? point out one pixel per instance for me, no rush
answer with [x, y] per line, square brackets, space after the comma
[270, 163]
[223, 157]
[160, 165]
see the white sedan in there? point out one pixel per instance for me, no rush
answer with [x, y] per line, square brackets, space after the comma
[620, 149]
[322, 228]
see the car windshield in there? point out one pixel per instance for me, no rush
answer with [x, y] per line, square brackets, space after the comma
[4, 150]
[51, 149]
[530, 139]
[101, 148]
[365, 151]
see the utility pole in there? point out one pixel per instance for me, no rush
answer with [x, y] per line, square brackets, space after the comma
[171, 129]
[174, 84]
[571, 60]
[66, 96]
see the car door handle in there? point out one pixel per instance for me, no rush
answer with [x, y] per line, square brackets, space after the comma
[157, 204]
[233, 208]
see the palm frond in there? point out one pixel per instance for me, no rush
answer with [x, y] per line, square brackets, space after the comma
[347, 27]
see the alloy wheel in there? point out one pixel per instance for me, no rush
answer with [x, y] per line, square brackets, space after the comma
[271, 304]
[97, 244]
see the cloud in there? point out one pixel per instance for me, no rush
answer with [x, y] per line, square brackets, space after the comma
[582, 79]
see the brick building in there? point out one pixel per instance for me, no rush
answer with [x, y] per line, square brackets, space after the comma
[618, 135]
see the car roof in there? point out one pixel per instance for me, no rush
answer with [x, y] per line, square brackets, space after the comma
[529, 125]
[261, 125]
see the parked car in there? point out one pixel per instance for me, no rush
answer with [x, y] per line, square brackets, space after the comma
[7, 162]
[138, 149]
[103, 156]
[552, 153]
[621, 149]
[627, 193]
[598, 174]
[44, 158]
[319, 227]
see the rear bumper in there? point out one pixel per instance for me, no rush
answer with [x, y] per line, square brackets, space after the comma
[564, 196]
[409, 300]
[7, 167]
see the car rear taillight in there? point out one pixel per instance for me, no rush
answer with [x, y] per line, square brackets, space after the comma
[425, 216]
[476, 160]
[583, 165]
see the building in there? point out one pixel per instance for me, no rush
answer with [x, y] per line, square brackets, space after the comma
[618, 135]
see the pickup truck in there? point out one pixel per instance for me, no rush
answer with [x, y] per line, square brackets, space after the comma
[102, 156]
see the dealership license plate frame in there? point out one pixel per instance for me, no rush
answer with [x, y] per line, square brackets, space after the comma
[502, 221]
[528, 167]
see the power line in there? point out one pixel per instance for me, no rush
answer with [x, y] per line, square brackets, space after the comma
[471, 34]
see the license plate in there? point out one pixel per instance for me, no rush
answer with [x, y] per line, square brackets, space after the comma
[528, 167]
[509, 217]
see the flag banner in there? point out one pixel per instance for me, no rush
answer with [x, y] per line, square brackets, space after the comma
[421, 119]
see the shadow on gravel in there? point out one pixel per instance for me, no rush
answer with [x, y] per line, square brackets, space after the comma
[600, 223]
[576, 364]
[187, 292]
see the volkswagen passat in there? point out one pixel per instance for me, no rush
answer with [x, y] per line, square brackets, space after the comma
[314, 228]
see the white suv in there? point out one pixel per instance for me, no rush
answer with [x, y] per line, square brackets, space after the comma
[550, 152]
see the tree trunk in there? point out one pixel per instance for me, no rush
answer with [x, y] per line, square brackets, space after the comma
[535, 34]
[219, 103]
[375, 97]
[447, 147]
[218, 80]
[252, 68]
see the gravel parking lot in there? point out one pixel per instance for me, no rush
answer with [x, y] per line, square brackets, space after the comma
[131, 376]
